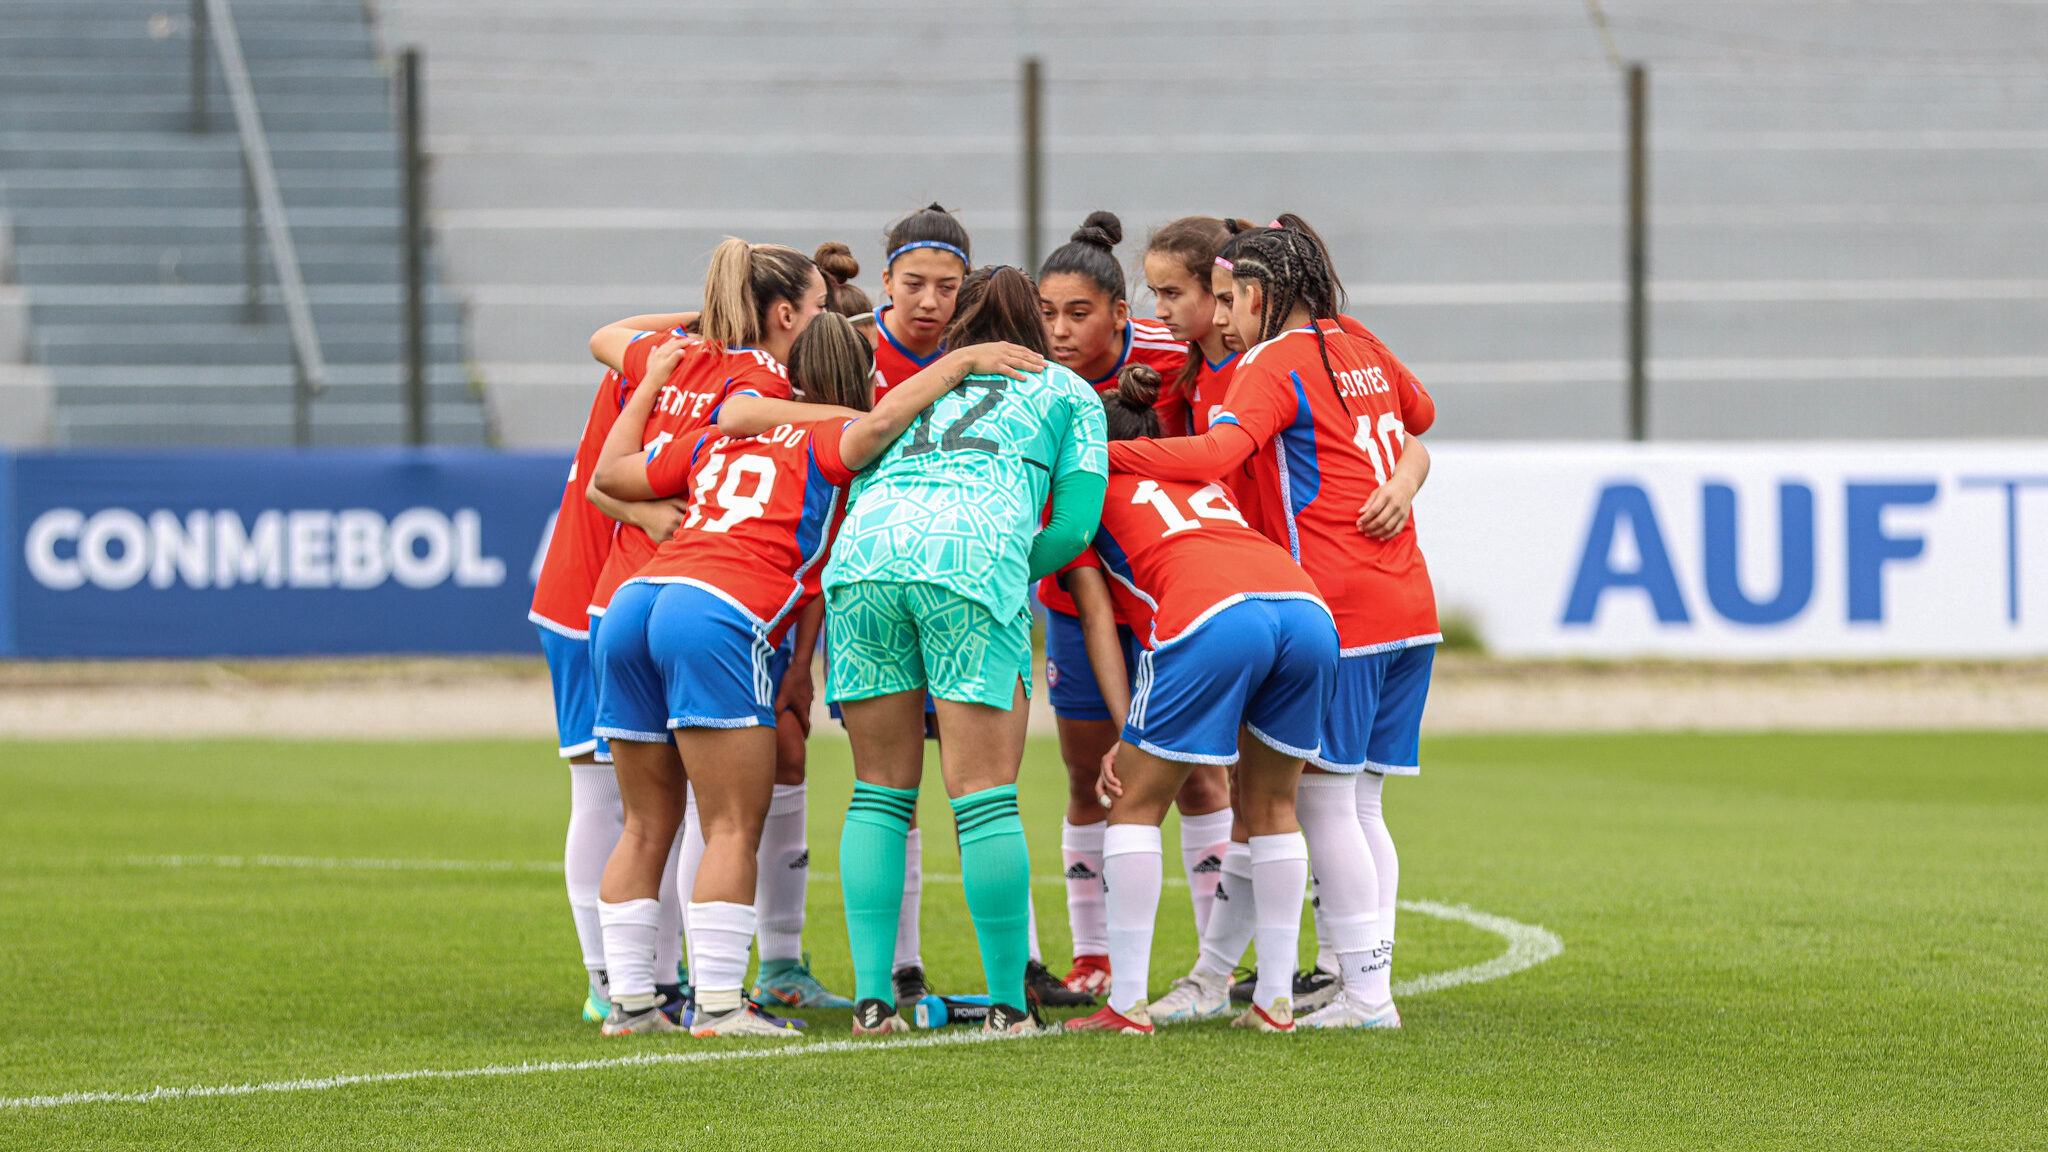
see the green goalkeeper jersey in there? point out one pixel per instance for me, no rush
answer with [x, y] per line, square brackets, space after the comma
[956, 500]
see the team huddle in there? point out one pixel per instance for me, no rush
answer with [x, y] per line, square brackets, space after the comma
[1212, 510]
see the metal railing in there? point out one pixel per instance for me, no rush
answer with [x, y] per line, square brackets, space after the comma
[213, 23]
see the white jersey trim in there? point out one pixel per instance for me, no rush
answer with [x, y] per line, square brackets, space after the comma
[1282, 747]
[630, 734]
[1392, 645]
[1378, 769]
[1185, 757]
[558, 629]
[569, 750]
[675, 722]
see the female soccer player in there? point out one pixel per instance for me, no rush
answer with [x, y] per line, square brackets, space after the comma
[767, 292]
[1082, 294]
[842, 295]
[1232, 632]
[1321, 411]
[927, 262]
[578, 543]
[692, 638]
[927, 589]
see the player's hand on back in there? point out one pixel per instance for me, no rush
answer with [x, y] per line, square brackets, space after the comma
[1385, 512]
[661, 362]
[659, 518]
[1000, 359]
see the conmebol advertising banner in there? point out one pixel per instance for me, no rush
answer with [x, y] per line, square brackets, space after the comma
[1759, 550]
[274, 552]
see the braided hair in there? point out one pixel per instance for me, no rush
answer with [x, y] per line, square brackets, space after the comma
[1293, 269]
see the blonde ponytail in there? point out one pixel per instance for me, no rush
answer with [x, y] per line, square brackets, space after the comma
[730, 319]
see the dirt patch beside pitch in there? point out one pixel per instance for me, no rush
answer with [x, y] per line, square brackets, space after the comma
[420, 698]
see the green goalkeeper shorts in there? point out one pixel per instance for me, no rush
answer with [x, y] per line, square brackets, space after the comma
[885, 637]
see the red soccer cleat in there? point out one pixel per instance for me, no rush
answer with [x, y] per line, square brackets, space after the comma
[1089, 974]
[1107, 1019]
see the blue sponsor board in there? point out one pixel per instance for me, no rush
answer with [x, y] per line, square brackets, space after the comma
[272, 553]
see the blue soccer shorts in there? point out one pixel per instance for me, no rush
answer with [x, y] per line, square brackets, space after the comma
[1267, 664]
[681, 656]
[575, 692]
[1069, 677]
[1375, 719]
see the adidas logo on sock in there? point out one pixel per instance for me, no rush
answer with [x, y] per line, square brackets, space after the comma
[1079, 870]
[802, 861]
[1209, 863]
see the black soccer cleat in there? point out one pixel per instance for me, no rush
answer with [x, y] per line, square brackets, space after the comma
[874, 1017]
[1004, 1020]
[1044, 990]
[1313, 988]
[910, 986]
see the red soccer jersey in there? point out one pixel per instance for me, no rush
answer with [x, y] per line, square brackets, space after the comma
[1319, 455]
[688, 403]
[763, 511]
[582, 536]
[1150, 343]
[1177, 552]
[893, 362]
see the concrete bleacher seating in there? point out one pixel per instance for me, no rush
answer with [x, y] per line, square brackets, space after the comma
[1848, 216]
[127, 228]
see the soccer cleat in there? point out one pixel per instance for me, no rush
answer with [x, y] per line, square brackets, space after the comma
[1089, 974]
[1044, 989]
[877, 1018]
[1344, 1012]
[1314, 988]
[598, 1004]
[674, 1002]
[1137, 1021]
[623, 1023]
[745, 1020]
[910, 986]
[1190, 999]
[1278, 1018]
[1004, 1020]
[790, 985]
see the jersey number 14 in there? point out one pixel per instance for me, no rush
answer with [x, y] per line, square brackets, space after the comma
[1210, 503]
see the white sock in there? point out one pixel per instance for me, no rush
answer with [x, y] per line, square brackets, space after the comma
[668, 938]
[629, 930]
[1232, 919]
[723, 932]
[907, 936]
[1346, 881]
[1087, 917]
[1379, 980]
[688, 861]
[1279, 877]
[784, 876]
[1326, 956]
[1131, 867]
[1203, 841]
[596, 817]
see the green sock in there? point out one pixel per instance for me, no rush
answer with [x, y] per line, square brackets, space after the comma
[871, 851]
[995, 867]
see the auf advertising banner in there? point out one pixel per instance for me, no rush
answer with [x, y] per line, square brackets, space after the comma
[267, 553]
[1756, 551]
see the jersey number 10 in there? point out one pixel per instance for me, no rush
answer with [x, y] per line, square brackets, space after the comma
[1211, 503]
[1391, 433]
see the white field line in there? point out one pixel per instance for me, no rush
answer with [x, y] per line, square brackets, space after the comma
[1528, 946]
[324, 1083]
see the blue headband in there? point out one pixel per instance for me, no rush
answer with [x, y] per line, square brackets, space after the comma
[939, 244]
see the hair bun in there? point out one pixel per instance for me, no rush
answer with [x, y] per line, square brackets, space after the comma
[1101, 229]
[836, 261]
[1137, 386]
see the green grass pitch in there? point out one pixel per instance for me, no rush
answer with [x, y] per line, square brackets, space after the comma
[1770, 942]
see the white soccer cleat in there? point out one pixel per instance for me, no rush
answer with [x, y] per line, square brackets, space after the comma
[1345, 1012]
[1193, 998]
[746, 1020]
[621, 1022]
[1278, 1018]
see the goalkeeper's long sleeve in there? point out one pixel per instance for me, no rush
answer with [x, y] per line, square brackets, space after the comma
[1076, 510]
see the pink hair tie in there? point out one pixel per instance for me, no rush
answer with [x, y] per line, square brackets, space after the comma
[1276, 224]
[1226, 265]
